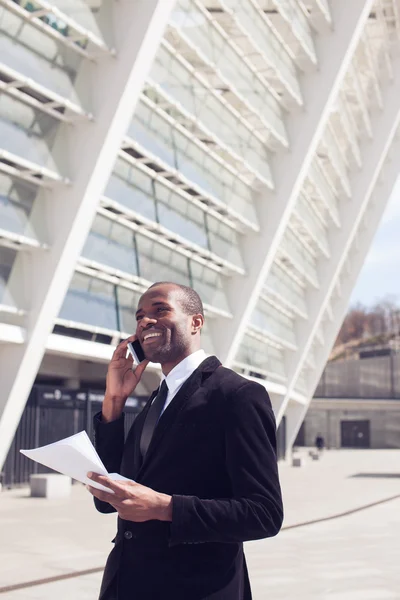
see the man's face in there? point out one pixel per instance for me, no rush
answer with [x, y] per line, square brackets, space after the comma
[163, 328]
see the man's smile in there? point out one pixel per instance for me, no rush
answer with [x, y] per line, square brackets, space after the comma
[151, 337]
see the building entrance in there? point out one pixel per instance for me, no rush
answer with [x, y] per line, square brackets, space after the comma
[355, 434]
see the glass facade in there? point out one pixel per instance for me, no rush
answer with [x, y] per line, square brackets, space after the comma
[207, 105]
[196, 164]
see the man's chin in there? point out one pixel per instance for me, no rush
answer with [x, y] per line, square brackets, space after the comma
[156, 356]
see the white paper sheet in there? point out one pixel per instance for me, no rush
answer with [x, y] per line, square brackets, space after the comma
[74, 456]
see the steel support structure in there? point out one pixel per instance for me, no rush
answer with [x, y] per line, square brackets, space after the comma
[305, 127]
[384, 125]
[86, 153]
[357, 250]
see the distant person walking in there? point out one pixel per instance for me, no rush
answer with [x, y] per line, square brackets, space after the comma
[319, 443]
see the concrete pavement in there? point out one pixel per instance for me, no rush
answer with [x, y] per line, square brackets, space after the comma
[351, 558]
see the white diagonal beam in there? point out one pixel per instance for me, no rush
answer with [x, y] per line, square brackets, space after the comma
[320, 88]
[39, 281]
[365, 234]
[374, 153]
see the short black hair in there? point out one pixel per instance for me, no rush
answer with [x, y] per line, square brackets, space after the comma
[190, 299]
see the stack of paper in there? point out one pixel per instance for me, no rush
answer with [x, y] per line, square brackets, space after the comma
[74, 456]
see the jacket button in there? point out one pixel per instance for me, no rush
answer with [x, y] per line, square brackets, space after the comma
[128, 535]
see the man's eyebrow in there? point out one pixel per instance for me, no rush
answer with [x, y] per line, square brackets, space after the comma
[139, 310]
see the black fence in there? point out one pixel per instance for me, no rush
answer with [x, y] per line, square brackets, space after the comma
[50, 415]
[375, 378]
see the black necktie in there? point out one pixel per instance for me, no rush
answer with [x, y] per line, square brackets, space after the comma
[152, 418]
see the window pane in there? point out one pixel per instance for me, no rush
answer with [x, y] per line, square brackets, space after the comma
[111, 244]
[132, 188]
[208, 285]
[224, 241]
[185, 89]
[7, 258]
[16, 201]
[218, 51]
[260, 355]
[34, 54]
[281, 283]
[26, 132]
[158, 263]
[90, 301]
[153, 132]
[180, 216]
[81, 11]
[127, 304]
[267, 317]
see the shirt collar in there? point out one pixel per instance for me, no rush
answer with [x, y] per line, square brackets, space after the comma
[183, 370]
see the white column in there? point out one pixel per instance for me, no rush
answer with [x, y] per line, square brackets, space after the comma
[88, 150]
[294, 414]
[334, 50]
[374, 152]
[348, 276]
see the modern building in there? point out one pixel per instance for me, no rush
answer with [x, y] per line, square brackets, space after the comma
[244, 147]
[356, 403]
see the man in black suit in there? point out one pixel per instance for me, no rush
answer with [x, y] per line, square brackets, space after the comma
[202, 459]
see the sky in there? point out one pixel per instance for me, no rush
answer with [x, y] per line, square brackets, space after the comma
[380, 275]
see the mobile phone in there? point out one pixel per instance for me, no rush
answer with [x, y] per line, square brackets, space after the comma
[136, 350]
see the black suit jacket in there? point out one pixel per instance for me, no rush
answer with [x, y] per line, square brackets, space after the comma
[214, 451]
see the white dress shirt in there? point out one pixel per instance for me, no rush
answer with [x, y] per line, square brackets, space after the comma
[177, 377]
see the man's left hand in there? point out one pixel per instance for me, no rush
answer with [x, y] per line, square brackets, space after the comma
[132, 501]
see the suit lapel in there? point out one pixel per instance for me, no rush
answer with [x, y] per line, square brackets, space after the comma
[205, 369]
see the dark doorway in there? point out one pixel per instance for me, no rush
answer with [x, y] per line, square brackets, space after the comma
[301, 436]
[355, 434]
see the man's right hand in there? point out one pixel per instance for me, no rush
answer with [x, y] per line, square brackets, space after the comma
[121, 381]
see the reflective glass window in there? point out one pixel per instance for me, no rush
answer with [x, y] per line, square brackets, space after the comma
[199, 167]
[267, 317]
[36, 55]
[158, 263]
[111, 244]
[185, 89]
[224, 241]
[127, 306]
[208, 284]
[219, 52]
[285, 286]
[259, 355]
[300, 255]
[27, 133]
[153, 132]
[90, 301]
[81, 11]
[313, 223]
[7, 258]
[133, 188]
[180, 216]
[16, 201]
[265, 39]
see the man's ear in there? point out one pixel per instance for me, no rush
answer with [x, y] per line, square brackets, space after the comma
[197, 323]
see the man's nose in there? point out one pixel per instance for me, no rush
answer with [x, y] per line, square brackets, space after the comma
[145, 321]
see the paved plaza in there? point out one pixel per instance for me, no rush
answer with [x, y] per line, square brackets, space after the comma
[353, 557]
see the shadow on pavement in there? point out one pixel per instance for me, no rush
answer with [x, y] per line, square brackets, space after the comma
[377, 475]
